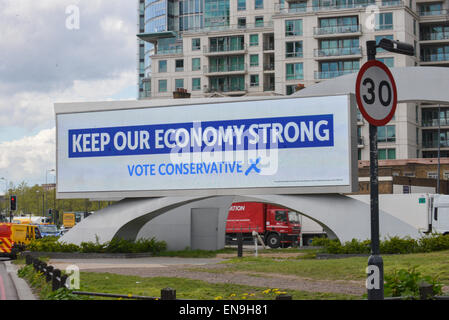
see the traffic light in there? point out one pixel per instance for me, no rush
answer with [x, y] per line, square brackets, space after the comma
[13, 203]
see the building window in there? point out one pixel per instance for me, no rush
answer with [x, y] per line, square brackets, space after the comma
[386, 133]
[241, 5]
[162, 65]
[196, 64]
[384, 21]
[196, 84]
[258, 22]
[196, 44]
[294, 71]
[378, 38]
[387, 154]
[241, 23]
[389, 62]
[290, 89]
[329, 70]
[179, 65]
[253, 40]
[258, 4]
[293, 49]
[431, 9]
[179, 83]
[254, 80]
[293, 27]
[254, 60]
[162, 85]
[432, 175]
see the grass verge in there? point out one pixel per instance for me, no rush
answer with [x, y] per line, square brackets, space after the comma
[432, 264]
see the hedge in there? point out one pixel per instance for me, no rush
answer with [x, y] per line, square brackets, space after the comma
[51, 244]
[391, 245]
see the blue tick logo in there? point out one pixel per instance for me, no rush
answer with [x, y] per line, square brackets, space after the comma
[253, 166]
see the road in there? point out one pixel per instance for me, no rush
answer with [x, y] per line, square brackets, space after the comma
[7, 289]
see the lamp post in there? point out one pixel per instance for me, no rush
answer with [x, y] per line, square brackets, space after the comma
[6, 190]
[46, 187]
[375, 259]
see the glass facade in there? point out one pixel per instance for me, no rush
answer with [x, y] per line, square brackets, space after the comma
[222, 44]
[332, 69]
[293, 49]
[435, 53]
[216, 13]
[294, 71]
[434, 32]
[227, 84]
[293, 27]
[226, 63]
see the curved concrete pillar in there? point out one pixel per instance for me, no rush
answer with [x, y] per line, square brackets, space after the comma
[341, 216]
[122, 219]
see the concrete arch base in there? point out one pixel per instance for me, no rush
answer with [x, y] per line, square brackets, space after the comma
[169, 218]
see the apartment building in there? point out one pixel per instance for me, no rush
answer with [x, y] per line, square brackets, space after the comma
[262, 47]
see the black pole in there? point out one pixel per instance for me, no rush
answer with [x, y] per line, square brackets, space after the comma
[375, 272]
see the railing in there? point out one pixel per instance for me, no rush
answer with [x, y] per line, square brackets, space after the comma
[440, 12]
[227, 88]
[51, 274]
[268, 67]
[337, 52]
[174, 50]
[435, 122]
[333, 5]
[360, 141]
[268, 46]
[224, 48]
[435, 57]
[264, 24]
[332, 74]
[269, 87]
[434, 36]
[318, 31]
[225, 68]
[434, 144]
[294, 54]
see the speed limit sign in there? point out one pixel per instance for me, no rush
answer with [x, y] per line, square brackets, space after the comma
[376, 93]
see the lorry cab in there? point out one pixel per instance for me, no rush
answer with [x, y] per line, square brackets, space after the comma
[440, 214]
[284, 225]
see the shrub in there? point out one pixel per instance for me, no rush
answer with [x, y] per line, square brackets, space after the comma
[51, 244]
[434, 242]
[405, 283]
[392, 245]
[399, 245]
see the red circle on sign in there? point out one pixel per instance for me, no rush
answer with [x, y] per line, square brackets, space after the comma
[363, 69]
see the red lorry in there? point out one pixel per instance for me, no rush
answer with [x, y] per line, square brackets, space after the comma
[278, 227]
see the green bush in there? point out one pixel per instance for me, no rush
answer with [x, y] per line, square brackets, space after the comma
[405, 283]
[434, 242]
[51, 244]
[392, 245]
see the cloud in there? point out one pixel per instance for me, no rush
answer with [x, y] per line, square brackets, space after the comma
[29, 157]
[43, 62]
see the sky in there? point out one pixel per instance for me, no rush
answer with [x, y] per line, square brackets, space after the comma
[58, 51]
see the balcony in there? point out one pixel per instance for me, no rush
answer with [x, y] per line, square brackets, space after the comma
[360, 142]
[294, 54]
[434, 144]
[337, 52]
[324, 75]
[232, 27]
[167, 51]
[437, 12]
[336, 30]
[217, 50]
[434, 123]
[240, 68]
[434, 36]
[435, 58]
[268, 67]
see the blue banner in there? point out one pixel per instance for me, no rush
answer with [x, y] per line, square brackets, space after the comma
[209, 136]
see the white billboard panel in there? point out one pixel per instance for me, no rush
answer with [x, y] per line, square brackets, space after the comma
[282, 145]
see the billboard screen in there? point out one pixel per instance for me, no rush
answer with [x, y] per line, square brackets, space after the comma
[283, 145]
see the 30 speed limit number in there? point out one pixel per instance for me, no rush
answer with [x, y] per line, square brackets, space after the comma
[376, 93]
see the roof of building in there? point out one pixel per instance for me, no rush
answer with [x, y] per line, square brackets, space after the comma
[414, 84]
